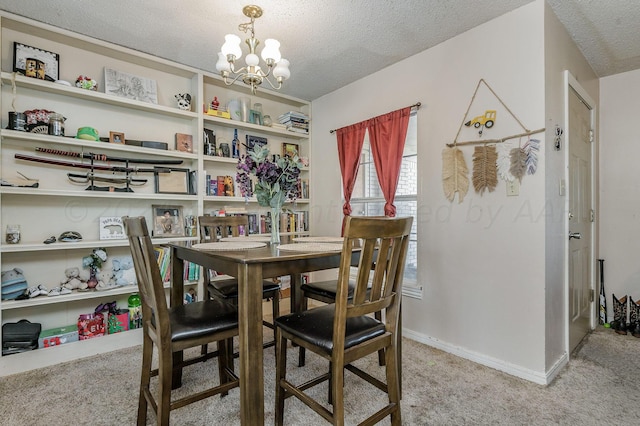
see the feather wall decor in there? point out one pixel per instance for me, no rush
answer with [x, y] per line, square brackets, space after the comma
[504, 162]
[531, 148]
[485, 174]
[518, 163]
[455, 174]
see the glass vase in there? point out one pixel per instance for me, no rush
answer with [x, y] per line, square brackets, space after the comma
[275, 225]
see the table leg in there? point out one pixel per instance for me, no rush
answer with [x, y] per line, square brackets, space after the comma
[250, 339]
[175, 299]
[297, 301]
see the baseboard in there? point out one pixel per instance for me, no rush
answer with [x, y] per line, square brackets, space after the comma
[497, 364]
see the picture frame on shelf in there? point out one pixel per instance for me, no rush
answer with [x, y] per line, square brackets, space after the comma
[168, 221]
[116, 137]
[290, 149]
[184, 142]
[252, 141]
[112, 228]
[130, 86]
[34, 62]
[172, 181]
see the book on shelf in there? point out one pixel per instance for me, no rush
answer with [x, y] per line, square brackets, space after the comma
[297, 130]
[293, 115]
[235, 209]
[303, 188]
[229, 186]
[221, 191]
[163, 256]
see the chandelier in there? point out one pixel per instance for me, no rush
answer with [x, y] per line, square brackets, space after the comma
[252, 75]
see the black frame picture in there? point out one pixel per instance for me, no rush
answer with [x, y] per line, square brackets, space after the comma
[22, 54]
[168, 225]
[290, 149]
[252, 141]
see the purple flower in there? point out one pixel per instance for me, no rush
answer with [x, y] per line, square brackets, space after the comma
[275, 181]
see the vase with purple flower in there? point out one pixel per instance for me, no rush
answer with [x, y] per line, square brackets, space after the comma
[273, 182]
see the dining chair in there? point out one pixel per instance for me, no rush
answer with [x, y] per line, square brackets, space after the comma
[173, 329]
[345, 331]
[233, 226]
[325, 291]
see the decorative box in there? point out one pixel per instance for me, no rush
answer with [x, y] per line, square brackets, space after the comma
[58, 336]
[90, 326]
[219, 113]
[118, 321]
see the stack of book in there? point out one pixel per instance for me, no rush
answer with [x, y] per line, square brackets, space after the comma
[295, 121]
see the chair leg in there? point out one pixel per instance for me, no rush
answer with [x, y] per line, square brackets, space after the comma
[281, 369]
[165, 372]
[393, 383]
[335, 393]
[145, 378]
[378, 316]
[276, 312]
[301, 351]
[223, 361]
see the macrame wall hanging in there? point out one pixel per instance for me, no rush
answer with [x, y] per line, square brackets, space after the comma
[489, 162]
[454, 174]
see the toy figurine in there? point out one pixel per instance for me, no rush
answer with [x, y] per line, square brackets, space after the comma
[184, 101]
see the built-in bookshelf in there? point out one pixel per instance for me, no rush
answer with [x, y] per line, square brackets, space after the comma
[176, 174]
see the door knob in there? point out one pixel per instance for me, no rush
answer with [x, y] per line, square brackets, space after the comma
[575, 235]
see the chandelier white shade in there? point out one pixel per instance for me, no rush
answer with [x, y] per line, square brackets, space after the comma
[252, 74]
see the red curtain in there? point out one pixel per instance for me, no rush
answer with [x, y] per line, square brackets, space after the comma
[387, 134]
[350, 141]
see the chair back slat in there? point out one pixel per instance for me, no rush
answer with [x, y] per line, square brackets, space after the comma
[210, 226]
[225, 225]
[150, 285]
[384, 243]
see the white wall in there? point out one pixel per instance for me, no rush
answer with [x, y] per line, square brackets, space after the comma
[561, 54]
[481, 262]
[620, 190]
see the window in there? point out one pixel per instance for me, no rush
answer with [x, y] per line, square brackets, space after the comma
[367, 198]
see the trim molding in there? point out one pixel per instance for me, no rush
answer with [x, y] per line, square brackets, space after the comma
[538, 377]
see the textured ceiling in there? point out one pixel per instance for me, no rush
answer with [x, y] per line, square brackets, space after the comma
[330, 43]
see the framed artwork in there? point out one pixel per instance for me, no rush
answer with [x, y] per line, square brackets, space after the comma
[116, 137]
[130, 86]
[252, 141]
[290, 149]
[168, 221]
[34, 62]
[172, 181]
[111, 228]
[184, 142]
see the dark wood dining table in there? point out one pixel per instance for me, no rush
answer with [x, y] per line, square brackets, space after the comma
[250, 266]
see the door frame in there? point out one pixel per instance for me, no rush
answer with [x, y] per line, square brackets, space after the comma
[570, 83]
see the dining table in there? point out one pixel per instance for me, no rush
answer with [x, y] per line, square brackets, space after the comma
[250, 266]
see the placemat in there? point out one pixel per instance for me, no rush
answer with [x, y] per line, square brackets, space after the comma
[262, 238]
[227, 245]
[319, 239]
[310, 247]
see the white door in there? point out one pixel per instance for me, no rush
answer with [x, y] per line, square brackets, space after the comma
[581, 216]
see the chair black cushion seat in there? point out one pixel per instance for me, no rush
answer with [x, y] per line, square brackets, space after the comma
[202, 318]
[229, 288]
[326, 289]
[316, 326]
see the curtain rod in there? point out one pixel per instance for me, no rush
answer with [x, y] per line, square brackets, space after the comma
[416, 106]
